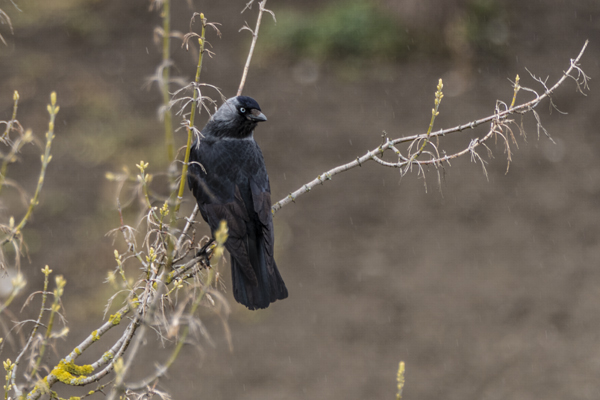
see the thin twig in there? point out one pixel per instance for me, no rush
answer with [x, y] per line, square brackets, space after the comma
[46, 271]
[254, 32]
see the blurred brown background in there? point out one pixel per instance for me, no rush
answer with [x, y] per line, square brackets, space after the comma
[486, 289]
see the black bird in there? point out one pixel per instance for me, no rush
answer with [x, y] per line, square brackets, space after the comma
[228, 177]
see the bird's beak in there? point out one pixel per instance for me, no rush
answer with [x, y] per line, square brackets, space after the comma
[256, 116]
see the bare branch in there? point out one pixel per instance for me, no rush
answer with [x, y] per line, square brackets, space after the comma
[254, 32]
[499, 121]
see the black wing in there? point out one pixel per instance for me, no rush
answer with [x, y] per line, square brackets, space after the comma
[217, 191]
[230, 182]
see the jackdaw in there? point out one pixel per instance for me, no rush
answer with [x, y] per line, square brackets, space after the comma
[228, 178]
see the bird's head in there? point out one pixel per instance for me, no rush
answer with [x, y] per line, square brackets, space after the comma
[236, 118]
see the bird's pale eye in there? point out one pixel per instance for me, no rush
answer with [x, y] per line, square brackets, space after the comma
[242, 110]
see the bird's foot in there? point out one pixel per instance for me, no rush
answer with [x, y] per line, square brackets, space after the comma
[206, 251]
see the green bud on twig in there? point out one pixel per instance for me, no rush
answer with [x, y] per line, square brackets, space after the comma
[46, 270]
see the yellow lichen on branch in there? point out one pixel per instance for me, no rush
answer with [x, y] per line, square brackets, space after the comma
[71, 374]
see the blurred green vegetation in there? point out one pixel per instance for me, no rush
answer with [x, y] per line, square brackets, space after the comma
[355, 29]
[360, 29]
[487, 26]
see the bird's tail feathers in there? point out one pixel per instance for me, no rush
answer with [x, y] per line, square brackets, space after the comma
[270, 287]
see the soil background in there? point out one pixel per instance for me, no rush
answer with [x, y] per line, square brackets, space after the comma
[487, 288]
